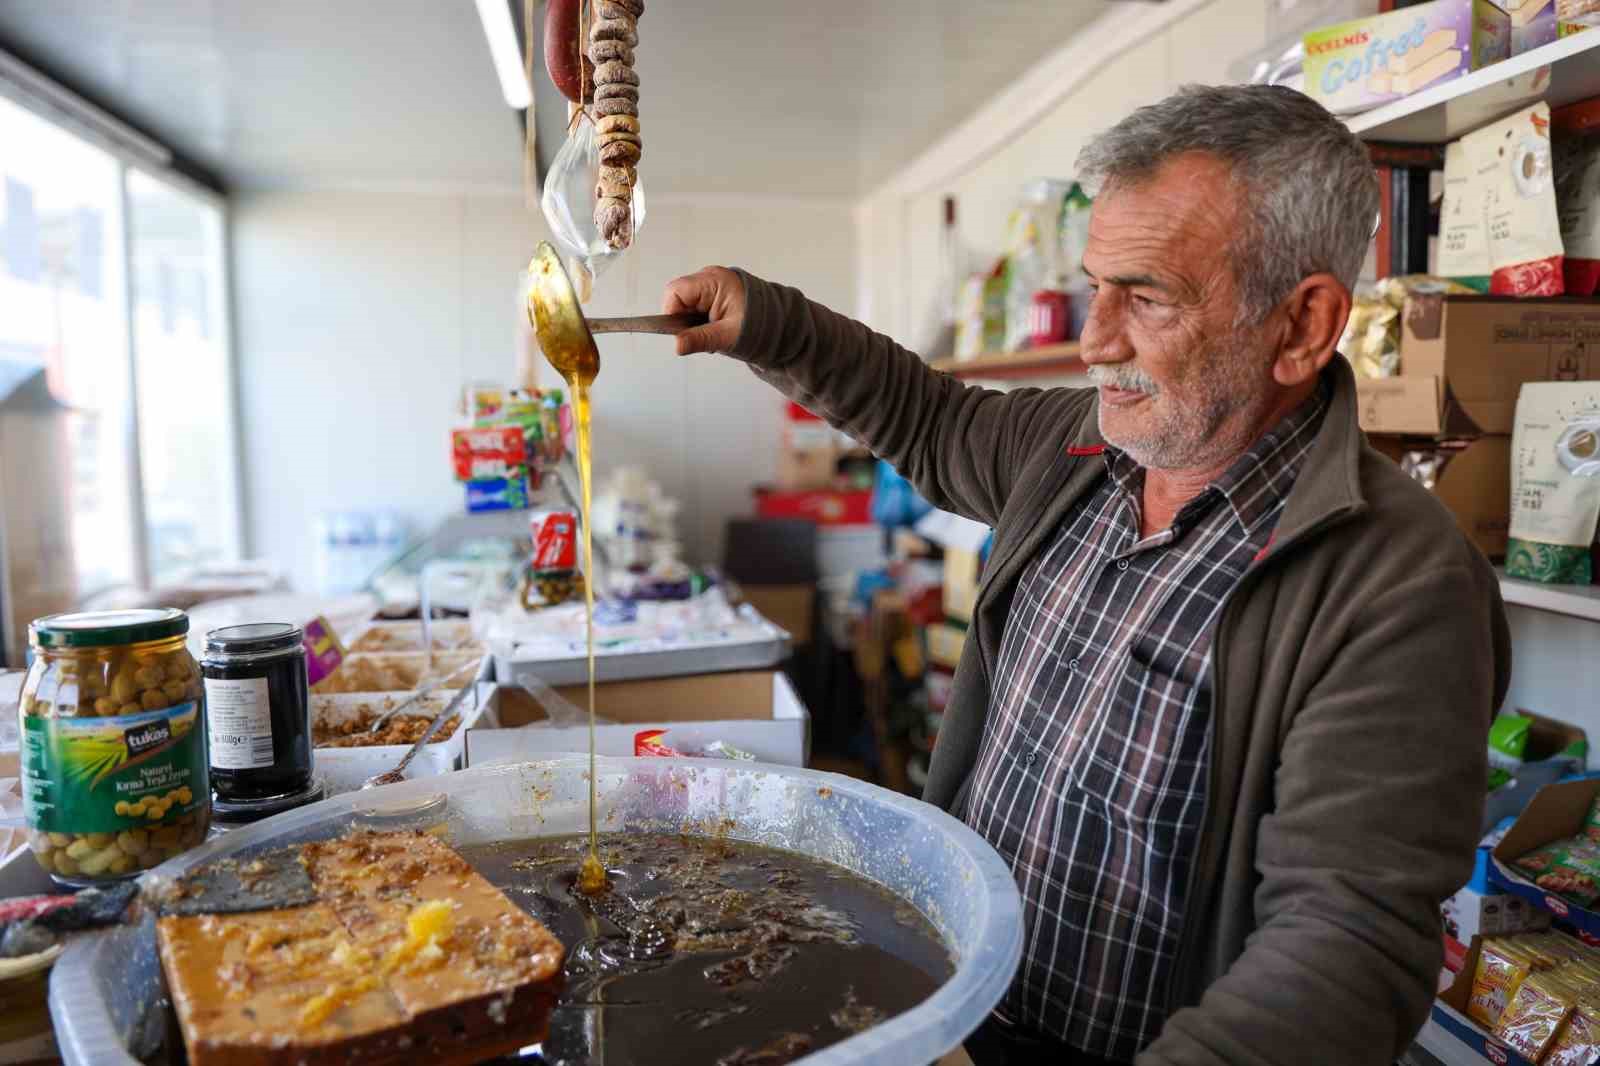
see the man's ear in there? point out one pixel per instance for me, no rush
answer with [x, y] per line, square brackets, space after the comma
[1314, 317]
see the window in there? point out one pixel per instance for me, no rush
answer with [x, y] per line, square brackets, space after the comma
[113, 279]
[187, 460]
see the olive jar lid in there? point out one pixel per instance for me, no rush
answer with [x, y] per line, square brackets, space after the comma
[86, 629]
[254, 638]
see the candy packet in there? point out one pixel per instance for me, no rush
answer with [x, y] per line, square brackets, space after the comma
[1578, 1041]
[1502, 967]
[1535, 1012]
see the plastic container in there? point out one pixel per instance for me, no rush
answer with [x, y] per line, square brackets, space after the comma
[113, 745]
[105, 990]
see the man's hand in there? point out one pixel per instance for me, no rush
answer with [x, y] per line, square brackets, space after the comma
[718, 292]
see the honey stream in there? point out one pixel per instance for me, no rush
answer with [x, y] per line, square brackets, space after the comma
[592, 874]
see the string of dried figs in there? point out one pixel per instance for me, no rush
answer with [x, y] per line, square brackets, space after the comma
[613, 35]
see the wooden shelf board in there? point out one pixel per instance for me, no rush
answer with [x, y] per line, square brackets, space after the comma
[1051, 361]
[1561, 72]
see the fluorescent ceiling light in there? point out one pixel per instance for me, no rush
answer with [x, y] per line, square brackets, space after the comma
[502, 34]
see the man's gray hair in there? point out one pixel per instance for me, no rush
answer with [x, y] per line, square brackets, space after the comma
[1308, 193]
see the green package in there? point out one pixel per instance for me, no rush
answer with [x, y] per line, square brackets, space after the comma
[1569, 867]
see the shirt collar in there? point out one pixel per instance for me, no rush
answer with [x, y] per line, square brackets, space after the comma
[1256, 483]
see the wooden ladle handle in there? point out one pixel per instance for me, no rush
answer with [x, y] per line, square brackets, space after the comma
[668, 324]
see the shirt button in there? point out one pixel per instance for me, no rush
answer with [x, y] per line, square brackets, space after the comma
[1031, 758]
[1122, 564]
[1072, 664]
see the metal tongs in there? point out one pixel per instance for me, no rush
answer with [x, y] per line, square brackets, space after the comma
[399, 772]
[421, 694]
[565, 336]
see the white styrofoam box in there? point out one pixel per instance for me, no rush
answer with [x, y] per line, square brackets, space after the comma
[345, 769]
[407, 668]
[846, 549]
[447, 635]
[757, 712]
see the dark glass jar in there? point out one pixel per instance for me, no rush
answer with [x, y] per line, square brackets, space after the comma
[258, 708]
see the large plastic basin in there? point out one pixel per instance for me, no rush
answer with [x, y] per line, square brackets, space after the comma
[105, 989]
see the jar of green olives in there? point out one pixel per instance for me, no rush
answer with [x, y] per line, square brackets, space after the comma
[114, 772]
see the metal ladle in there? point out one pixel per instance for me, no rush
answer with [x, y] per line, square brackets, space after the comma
[565, 336]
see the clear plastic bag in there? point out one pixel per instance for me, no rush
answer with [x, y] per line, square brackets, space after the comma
[568, 204]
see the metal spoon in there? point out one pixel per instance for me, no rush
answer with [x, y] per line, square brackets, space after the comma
[565, 336]
[399, 772]
[422, 693]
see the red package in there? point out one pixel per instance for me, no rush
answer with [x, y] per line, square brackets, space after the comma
[555, 540]
[648, 742]
[1542, 277]
[486, 454]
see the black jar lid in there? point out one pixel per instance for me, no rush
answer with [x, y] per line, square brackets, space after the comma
[254, 638]
[93, 629]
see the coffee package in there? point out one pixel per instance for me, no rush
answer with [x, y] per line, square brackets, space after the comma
[1555, 482]
[1512, 160]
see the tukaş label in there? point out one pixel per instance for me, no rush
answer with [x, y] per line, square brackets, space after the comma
[104, 775]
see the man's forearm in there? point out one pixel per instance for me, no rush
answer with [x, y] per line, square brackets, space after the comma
[956, 443]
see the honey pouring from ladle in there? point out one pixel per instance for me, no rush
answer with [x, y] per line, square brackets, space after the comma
[565, 336]
[567, 339]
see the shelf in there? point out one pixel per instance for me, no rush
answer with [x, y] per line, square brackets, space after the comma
[1561, 72]
[1579, 601]
[1445, 1046]
[1051, 361]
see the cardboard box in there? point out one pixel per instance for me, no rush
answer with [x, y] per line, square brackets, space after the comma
[789, 607]
[960, 583]
[1450, 1013]
[1364, 63]
[1463, 360]
[756, 711]
[807, 469]
[1555, 812]
[1505, 28]
[1474, 484]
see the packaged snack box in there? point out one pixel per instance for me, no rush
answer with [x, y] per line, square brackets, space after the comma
[1367, 62]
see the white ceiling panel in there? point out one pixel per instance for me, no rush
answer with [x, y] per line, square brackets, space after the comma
[820, 98]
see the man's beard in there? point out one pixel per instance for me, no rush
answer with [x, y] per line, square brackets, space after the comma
[1200, 429]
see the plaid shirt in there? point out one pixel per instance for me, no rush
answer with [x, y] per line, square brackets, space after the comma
[1091, 777]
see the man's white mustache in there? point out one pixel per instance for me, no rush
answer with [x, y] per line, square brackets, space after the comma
[1123, 376]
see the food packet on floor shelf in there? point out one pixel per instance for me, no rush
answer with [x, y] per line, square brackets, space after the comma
[1537, 1010]
[1503, 965]
[1578, 1041]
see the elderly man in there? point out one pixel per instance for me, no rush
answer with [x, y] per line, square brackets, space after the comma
[1224, 703]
